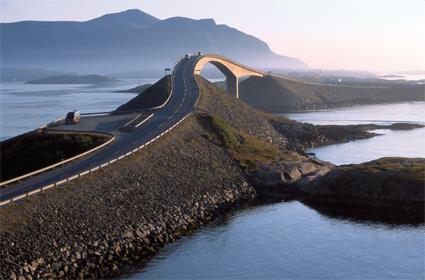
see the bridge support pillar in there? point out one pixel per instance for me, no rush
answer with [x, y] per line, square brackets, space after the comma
[232, 85]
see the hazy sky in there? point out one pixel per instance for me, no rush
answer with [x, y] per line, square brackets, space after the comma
[377, 35]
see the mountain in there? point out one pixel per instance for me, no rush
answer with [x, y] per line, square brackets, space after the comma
[128, 41]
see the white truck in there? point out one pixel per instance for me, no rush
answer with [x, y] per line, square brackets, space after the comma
[72, 117]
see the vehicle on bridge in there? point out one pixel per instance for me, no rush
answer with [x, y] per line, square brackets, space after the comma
[72, 117]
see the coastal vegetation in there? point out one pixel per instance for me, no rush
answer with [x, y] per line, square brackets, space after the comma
[248, 151]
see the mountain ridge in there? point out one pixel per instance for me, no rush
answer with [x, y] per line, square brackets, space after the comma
[126, 41]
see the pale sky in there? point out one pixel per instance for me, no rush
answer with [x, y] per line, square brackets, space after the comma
[375, 35]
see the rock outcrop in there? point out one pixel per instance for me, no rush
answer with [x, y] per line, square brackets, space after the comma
[396, 183]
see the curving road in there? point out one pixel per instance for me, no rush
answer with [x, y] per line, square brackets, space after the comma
[181, 103]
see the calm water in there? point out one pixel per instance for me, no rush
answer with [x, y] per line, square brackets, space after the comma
[390, 143]
[24, 107]
[290, 240]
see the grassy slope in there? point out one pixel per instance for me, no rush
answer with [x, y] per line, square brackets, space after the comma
[247, 150]
[238, 114]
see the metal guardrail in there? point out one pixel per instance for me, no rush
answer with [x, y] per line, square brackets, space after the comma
[91, 170]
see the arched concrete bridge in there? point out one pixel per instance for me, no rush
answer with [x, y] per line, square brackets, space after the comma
[232, 70]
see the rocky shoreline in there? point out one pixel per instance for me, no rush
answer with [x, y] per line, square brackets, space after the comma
[104, 257]
[225, 155]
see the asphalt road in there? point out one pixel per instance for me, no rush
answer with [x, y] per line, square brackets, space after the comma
[181, 103]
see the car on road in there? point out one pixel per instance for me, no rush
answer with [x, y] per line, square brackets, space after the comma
[72, 117]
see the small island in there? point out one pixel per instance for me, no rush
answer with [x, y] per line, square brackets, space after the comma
[138, 89]
[74, 79]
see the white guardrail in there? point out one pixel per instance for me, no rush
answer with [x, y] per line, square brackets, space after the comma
[91, 170]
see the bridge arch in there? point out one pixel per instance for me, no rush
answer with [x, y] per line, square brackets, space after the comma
[230, 69]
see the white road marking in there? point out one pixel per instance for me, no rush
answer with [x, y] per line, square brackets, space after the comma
[145, 120]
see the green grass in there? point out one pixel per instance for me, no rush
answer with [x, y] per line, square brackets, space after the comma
[224, 131]
[247, 150]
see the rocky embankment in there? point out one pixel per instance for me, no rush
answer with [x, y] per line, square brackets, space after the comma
[392, 183]
[277, 94]
[93, 227]
[97, 225]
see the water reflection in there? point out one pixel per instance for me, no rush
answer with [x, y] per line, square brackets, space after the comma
[290, 240]
[366, 215]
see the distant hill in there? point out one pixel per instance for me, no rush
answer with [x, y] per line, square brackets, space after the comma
[74, 79]
[281, 95]
[128, 41]
[138, 89]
